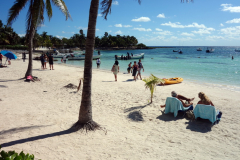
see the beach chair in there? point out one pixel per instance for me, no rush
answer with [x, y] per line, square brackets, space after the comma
[173, 105]
[207, 112]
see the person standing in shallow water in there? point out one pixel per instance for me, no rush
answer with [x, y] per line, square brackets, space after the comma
[115, 69]
[129, 67]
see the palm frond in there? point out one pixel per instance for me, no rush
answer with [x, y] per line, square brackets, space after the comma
[61, 5]
[106, 8]
[15, 10]
[49, 9]
[151, 82]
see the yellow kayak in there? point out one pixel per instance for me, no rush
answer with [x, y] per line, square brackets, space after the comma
[173, 80]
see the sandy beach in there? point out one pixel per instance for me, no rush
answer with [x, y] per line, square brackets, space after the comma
[35, 116]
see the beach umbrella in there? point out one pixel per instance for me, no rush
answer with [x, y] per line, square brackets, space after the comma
[8, 54]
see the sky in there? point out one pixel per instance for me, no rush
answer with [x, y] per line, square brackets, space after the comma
[153, 22]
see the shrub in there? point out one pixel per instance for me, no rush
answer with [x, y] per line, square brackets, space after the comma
[12, 155]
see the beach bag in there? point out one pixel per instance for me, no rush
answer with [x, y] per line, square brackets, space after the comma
[29, 78]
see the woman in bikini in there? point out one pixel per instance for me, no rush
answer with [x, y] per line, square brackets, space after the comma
[135, 68]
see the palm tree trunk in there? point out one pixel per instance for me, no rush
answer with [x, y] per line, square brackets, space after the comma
[30, 46]
[85, 120]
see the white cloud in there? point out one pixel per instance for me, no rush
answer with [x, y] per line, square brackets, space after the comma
[118, 25]
[115, 2]
[158, 29]
[228, 7]
[110, 26]
[204, 31]
[142, 19]
[127, 26]
[99, 15]
[143, 29]
[163, 33]
[119, 32]
[214, 37]
[59, 36]
[161, 15]
[179, 25]
[21, 35]
[231, 31]
[187, 34]
[221, 25]
[83, 28]
[63, 32]
[236, 20]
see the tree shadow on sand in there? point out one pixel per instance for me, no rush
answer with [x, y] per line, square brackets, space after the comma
[3, 86]
[30, 139]
[199, 125]
[136, 115]
[8, 80]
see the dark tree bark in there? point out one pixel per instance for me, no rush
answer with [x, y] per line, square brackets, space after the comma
[85, 120]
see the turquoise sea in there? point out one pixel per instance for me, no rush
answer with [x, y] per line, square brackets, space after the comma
[216, 68]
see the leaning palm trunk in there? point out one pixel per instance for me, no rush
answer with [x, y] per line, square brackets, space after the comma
[30, 46]
[85, 120]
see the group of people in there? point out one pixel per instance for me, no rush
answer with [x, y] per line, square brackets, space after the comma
[135, 69]
[44, 59]
[188, 101]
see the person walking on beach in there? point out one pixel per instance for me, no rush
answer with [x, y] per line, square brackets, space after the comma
[50, 61]
[115, 69]
[140, 66]
[45, 61]
[1, 58]
[98, 62]
[135, 68]
[129, 67]
[42, 61]
[23, 56]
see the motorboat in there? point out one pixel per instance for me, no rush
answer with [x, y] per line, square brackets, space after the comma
[82, 57]
[180, 51]
[237, 50]
[135, 56]
[199, 49]
[210, 50]
[60, 55]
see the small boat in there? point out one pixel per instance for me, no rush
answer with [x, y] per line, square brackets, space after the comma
[211, 50]
[237, 50]
[173, 80]
[60, 55]
[82, 57]
[199, 49]
[175, 50]
[180, 51]
[135, 56]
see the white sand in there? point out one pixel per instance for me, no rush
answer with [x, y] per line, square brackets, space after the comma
[34, 112]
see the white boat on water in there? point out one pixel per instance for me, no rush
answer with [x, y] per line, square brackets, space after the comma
[199, 49]
[135, 56]
[82, 57]
[60, 55]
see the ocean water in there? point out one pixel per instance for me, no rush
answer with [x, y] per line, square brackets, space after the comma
[216, 68]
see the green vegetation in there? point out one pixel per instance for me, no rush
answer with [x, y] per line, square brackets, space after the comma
[11, 40]
[151, 82]
[12, 155]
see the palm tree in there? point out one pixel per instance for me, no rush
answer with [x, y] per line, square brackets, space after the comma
[34, 19]
[151, 82]
[85, 120]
